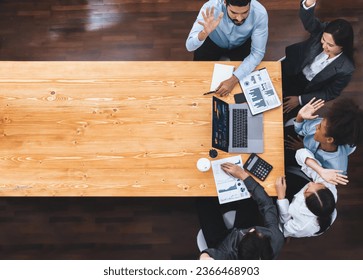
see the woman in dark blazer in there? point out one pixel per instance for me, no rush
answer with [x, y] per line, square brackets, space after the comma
[319, 67]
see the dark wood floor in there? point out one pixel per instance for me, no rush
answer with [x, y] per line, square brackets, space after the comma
[148, 228]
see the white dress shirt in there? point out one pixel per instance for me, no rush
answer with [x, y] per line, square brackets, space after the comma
[296, 220]
[319, 63]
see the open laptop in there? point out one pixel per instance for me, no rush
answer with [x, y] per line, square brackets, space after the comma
[234, 129]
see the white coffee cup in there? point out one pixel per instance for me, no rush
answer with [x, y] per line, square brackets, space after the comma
[203, 164]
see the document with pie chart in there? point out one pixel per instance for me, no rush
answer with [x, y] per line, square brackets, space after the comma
[228, 188]
[259, 92]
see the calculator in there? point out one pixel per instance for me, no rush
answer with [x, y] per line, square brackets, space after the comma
[257, 166]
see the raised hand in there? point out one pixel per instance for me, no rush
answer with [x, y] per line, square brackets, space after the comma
[209, 22]
[333, 176]
[307, 112]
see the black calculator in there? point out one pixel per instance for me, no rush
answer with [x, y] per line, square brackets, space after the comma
[258, 167]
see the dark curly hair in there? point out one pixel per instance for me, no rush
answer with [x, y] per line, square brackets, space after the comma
[345, 122]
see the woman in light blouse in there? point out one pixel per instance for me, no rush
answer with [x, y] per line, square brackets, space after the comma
[310, 211]
[330, 139]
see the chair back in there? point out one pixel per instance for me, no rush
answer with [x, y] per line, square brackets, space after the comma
[228, 219]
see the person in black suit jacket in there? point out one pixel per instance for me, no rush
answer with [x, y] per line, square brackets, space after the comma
[319, 67]
[256, 234]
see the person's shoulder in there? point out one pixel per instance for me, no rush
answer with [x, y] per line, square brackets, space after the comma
[234, 236]
[235, 233]
[346, 150]
[258, 8]
[217, 4]
[272, 232]
[346, 64]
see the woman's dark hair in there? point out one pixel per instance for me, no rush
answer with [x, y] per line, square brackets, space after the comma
[343, 35]
[239, 3]
[322, 205]
[345, 122]
[255, 246]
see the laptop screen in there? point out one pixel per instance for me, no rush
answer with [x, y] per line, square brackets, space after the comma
[220, 127]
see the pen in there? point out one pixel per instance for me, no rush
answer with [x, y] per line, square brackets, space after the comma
[209, 92]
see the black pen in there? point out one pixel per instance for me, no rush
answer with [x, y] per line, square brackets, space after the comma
[209, 92]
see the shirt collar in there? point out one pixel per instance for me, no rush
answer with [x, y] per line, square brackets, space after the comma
[325, 56]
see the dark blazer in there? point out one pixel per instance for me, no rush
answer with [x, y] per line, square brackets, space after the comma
[327, 84]
[228, 248]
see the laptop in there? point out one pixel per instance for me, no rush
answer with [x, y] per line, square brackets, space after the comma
[234, 129]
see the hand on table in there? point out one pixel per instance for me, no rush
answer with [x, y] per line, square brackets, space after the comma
[234, 170]
[227, 86]
[280, 187]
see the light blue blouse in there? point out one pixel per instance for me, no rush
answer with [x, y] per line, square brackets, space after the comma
[330, 160]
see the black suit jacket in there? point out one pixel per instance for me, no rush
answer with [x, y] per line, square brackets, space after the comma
[327, 84]
[228, 248]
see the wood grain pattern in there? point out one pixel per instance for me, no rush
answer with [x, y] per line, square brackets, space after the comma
[114, 129]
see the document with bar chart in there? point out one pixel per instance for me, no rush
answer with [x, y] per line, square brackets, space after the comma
[259, 92]
[228, 188]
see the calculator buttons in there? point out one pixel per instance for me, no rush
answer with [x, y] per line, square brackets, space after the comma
[258, 167]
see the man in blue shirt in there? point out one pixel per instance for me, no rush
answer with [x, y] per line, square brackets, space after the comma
[237, 29]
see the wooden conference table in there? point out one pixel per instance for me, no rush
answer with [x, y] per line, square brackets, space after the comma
[115, 128]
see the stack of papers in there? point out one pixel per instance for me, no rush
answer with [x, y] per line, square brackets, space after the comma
[221, 73]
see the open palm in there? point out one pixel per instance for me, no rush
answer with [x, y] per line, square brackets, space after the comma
[210, 23]
[307, 112]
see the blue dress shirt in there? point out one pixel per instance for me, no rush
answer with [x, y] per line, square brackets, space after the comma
[229, 36]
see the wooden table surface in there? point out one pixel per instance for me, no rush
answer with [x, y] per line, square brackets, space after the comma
[115, 128]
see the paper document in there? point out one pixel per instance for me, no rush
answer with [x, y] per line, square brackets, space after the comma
[221, 73]
[259, 92]
[228, 188]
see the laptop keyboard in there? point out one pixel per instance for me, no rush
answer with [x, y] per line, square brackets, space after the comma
[239, 137]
